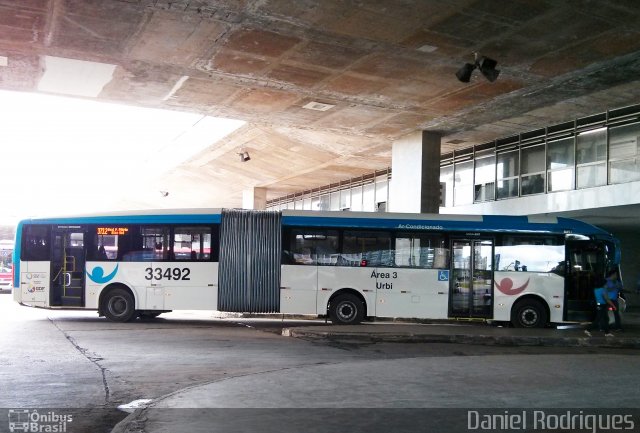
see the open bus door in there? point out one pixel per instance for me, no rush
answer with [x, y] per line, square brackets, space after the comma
[68, 266]
[586, 263]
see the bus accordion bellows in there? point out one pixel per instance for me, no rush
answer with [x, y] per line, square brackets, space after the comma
[530, 271]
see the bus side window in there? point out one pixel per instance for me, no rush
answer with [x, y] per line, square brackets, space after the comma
[36, 245]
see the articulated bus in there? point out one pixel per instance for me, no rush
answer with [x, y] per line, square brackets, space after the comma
[351, 266]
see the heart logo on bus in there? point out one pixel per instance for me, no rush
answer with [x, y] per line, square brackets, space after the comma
[97, 275]
[506, 286]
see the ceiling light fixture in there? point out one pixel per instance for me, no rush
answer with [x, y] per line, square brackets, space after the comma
[486, 65]
[244, 155]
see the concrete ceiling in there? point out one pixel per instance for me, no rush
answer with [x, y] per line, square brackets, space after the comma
[386, 66]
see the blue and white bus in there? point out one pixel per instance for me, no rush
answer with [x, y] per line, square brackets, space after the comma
[530, 271]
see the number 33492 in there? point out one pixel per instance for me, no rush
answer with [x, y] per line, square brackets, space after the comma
[167, 274]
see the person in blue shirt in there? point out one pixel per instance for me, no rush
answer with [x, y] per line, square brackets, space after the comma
[614, 287]
[603, 303]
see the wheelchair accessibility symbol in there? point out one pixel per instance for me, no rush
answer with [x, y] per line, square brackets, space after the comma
[443, 275]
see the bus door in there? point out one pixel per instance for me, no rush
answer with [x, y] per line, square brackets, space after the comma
[471, 281]
[585, 262]
[68, 266]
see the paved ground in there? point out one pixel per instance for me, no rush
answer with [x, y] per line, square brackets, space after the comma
[419, 387]
[194, 368]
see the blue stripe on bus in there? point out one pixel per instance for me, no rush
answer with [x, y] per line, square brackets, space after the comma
[132, 219]
[489, 224]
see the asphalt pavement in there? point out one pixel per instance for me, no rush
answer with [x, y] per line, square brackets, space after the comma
[198, 408]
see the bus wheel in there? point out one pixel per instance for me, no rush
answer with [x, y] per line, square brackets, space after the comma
[346, 309]
[119, 306]
[529, 313]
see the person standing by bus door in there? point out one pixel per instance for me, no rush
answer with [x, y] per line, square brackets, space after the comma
[603, 303]
[614, 288]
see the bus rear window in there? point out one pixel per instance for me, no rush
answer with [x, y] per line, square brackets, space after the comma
[36, 243]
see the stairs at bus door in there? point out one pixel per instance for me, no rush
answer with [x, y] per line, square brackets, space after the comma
[72, 291]
[579, 311]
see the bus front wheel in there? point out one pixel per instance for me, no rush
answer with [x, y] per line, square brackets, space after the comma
[529, 313]
[119, 306]
[346, 309]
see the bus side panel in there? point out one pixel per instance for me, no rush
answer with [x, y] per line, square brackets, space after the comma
[157, 285]
[193, 285]
[511, 286]
[411, 293]
[34, 284]
[333, 278]
[298, 289]
[102, 274]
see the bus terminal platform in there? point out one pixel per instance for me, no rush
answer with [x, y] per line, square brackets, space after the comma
[475, 333]
[194, 408]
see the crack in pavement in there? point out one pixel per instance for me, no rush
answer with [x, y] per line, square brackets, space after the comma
[93, 359]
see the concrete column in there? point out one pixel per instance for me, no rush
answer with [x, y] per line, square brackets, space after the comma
[415, 177]
[254, 198]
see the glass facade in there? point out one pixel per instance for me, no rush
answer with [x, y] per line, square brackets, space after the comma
[508, 174]
[532, 170]
[624, 153]
[591, 158]
[598, 150]
[560, 162]
[369, 193]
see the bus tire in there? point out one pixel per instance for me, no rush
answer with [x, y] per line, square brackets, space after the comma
[529, 313]
[346, 309]
[119, 306]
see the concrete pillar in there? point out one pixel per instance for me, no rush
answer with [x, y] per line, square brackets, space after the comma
[254, 198]
[415, 181]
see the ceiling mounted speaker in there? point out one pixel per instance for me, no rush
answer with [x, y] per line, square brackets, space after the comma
[464, 73]
[486, 65]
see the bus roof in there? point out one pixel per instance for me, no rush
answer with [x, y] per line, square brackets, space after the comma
[379, 220]
[155, 216]
[441, 222]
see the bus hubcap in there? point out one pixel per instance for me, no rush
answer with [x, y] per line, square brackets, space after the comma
[346, 311]
[117, 305]
[529, 316]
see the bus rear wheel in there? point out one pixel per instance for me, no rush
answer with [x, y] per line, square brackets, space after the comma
[119, 306]
[529, 313]
[346, 309]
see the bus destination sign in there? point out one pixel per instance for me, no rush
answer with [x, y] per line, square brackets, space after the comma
[112, 230]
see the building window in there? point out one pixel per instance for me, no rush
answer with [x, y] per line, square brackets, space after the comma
[560, 161]
[591, 157]
[446, 178]
[508, 170]
[624, 153]
[533, 170]
[463, 183]
[485, 175]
